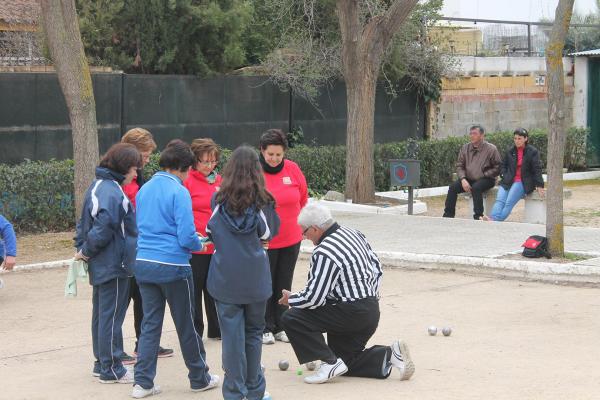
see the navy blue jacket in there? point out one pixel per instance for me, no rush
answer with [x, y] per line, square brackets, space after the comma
[531, 169]
[239, 270]
[107, 232]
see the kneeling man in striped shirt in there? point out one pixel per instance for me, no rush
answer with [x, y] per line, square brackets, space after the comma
[341, 298]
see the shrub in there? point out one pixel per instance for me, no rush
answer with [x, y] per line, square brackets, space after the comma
[38, 196]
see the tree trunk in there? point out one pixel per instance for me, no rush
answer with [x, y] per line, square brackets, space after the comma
[363, 48]
[556, 127]
[63, 38]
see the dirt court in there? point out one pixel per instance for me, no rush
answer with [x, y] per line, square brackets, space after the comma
[511, 340]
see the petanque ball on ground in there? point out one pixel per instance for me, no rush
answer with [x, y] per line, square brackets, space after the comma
[284, 365]
[432, 330]
[447, 331]
[311, 366]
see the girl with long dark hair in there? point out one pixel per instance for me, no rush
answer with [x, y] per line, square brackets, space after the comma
[239, 278]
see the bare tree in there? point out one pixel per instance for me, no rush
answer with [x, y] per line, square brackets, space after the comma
[556, 122]
[61, 28]
[364, 42]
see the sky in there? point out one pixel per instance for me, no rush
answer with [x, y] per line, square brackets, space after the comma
[514, 10]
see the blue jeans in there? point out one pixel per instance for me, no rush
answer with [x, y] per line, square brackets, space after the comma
[506, 200]
[109, 304]
[242, 327]
[179, 294]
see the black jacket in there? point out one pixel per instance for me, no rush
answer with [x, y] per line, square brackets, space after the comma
[531, 169]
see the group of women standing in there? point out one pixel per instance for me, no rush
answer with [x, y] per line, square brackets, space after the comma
[224, 224]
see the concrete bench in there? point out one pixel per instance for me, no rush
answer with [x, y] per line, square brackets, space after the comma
[535, 205]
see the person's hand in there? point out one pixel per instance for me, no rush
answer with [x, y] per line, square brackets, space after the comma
[541, 191]
[9, 263]
[79, 256]
[465, 185]
[265, 244]
[285, 296]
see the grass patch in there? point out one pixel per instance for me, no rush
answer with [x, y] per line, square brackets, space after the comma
[576, 257]
[584, 182]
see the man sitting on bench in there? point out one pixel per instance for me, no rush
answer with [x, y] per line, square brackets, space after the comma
[477, 167]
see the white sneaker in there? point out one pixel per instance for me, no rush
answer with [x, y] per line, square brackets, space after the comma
[401, 359]
[266, 396]
[281, 336]
[127, 378]
[268, 338]
[139, 392]
[214, 382]
[327, 372]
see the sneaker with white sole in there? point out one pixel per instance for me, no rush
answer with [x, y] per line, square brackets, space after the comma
[400, 359]
[282, 337]
[268, 338]
[214, 382]
[127, 378]
[139, 392]
[327, 372]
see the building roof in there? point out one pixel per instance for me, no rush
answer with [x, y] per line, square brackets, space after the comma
[23, 12]
[587, 53]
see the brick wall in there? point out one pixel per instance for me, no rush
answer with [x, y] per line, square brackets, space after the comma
[496, 102]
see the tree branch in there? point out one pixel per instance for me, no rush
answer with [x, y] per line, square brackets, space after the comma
[381, 29]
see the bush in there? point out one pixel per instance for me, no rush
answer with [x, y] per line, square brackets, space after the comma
[38, 196]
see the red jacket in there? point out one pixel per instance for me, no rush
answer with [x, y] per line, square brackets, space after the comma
[201, 192]
[291, 194]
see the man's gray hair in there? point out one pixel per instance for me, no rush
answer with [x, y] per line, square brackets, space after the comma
[314, 214]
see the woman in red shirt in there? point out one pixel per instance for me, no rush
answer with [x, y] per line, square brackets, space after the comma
[202, 183]
[144, 143]
[521, 175]
[286, 182]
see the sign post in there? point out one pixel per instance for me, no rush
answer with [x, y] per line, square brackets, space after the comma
[406, 173]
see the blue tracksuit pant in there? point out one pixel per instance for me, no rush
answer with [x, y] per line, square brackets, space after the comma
[242, 326]
[109, 304]
[180, 296]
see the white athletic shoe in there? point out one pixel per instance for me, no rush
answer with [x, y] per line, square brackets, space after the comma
[401, 359]
[268, 338]
[139, 392]
[282, 337]
[214, 382]
[327, 372]
[127, 378]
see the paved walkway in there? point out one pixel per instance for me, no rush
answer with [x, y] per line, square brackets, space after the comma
[469, 245]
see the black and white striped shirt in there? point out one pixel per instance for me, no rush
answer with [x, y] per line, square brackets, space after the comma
[343, 268]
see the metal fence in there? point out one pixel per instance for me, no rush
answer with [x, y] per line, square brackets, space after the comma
[485, 37]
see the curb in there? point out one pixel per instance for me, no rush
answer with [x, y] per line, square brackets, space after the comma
[542, 271]
[37, 266]
[537, 270]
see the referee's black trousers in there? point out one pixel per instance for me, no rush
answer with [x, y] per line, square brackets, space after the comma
[349, 326]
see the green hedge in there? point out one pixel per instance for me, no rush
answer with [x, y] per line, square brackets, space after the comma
[325, 166]
[38, 196]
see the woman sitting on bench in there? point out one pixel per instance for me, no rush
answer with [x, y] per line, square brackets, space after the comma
[521, 174]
